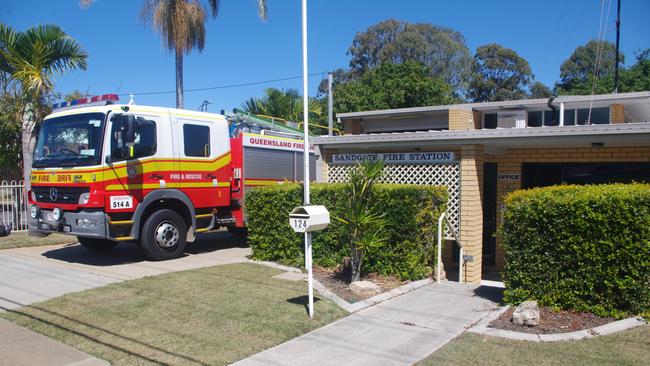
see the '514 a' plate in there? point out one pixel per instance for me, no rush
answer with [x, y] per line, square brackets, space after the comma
[121, 202]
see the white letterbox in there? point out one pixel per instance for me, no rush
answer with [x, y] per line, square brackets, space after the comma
[309, 218]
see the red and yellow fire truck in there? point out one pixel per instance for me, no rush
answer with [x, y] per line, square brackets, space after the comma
[154, 176]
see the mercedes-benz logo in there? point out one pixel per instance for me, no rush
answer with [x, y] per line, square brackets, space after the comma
[54, 194]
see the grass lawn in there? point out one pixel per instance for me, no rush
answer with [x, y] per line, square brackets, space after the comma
[21, 239]
[207, 316]
[631, 347]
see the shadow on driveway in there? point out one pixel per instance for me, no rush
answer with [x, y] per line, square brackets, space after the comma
[128, 252]
[494, 294]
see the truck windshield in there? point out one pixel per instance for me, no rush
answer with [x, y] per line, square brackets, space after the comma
[73, 140]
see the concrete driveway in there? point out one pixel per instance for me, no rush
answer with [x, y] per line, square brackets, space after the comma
[29, 275]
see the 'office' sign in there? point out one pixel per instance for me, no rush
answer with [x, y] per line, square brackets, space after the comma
[396, 158]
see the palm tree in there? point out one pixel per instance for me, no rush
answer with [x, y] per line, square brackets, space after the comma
[33, 59]
[286, 104]
[181, 24]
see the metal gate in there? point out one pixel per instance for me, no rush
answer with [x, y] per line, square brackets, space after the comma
[435, 174]
[13, 208]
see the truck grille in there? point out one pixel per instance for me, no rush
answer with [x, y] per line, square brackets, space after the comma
[60, 195]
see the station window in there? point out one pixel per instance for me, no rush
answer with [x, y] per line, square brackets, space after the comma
[196, 140]
[569, 117]
[535, 119]
[552, 118]
[598, 116]
[490, 120]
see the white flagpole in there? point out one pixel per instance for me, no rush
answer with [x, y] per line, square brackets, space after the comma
[305, 105]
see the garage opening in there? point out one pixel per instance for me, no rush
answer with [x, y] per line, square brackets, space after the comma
[548, 174]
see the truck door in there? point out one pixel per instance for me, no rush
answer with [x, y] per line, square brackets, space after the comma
[204, 162]
[129, 178]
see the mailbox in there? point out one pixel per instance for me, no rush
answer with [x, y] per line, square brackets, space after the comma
[305, 219]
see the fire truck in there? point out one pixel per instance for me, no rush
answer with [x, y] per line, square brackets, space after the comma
[158, 177]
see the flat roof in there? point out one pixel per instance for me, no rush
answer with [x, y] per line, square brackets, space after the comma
[623, 133]
[503, 104]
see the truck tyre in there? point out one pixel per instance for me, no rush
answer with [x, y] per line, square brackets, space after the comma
[163, 235]
[96, 245]
[240, 232]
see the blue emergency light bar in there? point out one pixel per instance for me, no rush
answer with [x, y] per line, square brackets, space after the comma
[95, 100]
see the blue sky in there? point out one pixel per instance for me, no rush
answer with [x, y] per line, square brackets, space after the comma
[127, 56]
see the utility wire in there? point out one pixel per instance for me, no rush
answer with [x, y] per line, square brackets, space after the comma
[600, 47]
[222, 86]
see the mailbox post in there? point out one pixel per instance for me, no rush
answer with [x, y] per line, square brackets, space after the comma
[305, 219]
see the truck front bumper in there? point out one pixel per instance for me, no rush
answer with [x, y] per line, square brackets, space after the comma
[90, 224]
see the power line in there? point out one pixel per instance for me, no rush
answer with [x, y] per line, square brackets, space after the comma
[222, 86]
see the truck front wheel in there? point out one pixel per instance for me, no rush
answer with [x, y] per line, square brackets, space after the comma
[163, 235]
[96, 245]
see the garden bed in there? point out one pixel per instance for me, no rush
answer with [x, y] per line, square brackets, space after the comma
[331, 279]
[552, 322]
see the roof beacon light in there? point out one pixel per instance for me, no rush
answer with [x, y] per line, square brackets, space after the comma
[104, 99]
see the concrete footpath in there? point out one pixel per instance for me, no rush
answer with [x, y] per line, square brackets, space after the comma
[400, 331]
[22, 347]
[34, 274]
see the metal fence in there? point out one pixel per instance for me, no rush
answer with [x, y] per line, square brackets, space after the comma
[13, 207]
[447, 175]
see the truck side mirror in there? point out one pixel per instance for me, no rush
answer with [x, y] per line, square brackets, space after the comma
[130, 123]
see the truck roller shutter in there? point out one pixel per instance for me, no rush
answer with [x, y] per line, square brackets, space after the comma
[268, 164]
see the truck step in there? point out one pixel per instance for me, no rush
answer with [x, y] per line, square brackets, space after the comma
[225, 220]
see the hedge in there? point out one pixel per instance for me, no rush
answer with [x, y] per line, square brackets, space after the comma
[411, 223]
[585, 248]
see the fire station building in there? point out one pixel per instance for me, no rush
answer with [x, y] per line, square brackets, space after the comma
[482, 151]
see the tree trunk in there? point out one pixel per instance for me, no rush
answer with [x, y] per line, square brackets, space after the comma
[179, 79]
[357, 257]
[28, 142]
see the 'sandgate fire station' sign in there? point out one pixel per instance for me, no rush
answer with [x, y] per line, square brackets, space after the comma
[396, 158]
[272, 142]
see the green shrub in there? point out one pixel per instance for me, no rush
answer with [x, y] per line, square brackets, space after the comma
[585, 248]
[411, 214]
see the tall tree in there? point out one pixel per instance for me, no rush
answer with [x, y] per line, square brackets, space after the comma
[442, 50]
[33, 59]
[10, 118]
[499, 73]
[637, 77]
[390, 86]
[539, 90]
[286, 104]
[181, 24]
[595, 60]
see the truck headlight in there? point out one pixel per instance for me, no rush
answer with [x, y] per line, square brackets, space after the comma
[57, 213]
[86, 223]
[34, 211]
[84, 198]
[32, 195]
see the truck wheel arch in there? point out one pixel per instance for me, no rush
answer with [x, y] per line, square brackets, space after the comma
[164, 198]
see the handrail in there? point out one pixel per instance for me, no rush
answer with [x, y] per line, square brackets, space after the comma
[322, 126]
[444, 218]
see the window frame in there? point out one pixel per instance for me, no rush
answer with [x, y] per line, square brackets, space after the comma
[192, 123]
[496, 125]
[114, 158]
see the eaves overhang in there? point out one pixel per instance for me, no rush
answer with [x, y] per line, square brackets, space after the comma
[618, 134]
[508, 104]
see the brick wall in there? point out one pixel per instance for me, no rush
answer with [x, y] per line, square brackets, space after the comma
[511, 162]
[471, 209]
[617, 113]
[461, 119]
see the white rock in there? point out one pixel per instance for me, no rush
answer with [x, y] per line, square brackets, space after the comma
[527, 313]
[364, 288]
